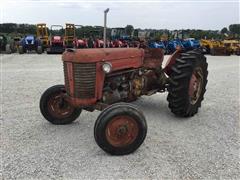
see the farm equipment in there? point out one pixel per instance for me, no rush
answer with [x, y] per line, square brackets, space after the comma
[214, 47]
[95, 40]
[69, 36]
[190, 44]
[56, 40]
[108, 79]
[42, 34]
[80, 43]
[173, 45]
[158, 44]
[233, 46]
[9, 44]
[30, 43]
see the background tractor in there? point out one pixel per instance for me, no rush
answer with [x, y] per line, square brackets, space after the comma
[30, 43]
[108, 79]
[214, 47]
[56, 40]
[42, 34]
[69, 36]
[95, 40]
[80, 42]
[190, 44]
[233, 46]
[9, 43]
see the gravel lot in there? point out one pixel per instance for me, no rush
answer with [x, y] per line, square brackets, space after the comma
[205, 146]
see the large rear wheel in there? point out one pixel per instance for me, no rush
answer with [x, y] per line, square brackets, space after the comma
[8, 49]
[188, 83]
[39, 49]
[21, 50]
[55, 109]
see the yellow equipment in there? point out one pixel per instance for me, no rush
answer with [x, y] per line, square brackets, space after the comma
[233, 46]
[69, 36]
[214, 47]
[42, 34]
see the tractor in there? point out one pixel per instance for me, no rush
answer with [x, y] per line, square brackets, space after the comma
[30, 43]
[95, 39]
[173, 45]
[190, 44]
[157, 44]
[69, 36]
[56, 40]
[4, 43]
[42, 34]
[233, 46]
[214, 47]
[80, 43]
[109, 79]
[8, 43]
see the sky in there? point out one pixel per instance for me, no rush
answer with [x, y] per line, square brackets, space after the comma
[156, 14]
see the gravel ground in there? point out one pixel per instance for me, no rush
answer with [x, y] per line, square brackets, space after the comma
[205, 146]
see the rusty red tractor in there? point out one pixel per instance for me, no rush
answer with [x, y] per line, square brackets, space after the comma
[109, 79]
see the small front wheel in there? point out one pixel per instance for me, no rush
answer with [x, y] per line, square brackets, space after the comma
[120, 129]
[8, 49]
[55, 109]
[21, 50]
[39, 50]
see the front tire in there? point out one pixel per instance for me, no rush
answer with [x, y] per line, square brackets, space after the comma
[120, 129]
[8, 49]
[188, 83]
[39, 50]
[55, 109]
[21, 50]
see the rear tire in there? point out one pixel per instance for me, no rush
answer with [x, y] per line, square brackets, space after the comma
[188, 83]
[39, 50]
[212, 52]
[20, 49]
[55, 109]
[120, 129]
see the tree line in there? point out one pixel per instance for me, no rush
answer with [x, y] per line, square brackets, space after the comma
[232, 31]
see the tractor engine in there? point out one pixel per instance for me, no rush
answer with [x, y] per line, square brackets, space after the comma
[127, 86]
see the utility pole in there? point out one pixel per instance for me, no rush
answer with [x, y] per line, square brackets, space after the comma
[105, 27]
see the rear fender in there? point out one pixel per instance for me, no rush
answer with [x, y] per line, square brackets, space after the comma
[171, 61]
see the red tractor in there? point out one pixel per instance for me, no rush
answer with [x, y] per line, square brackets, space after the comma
[56, 40]
[80, 43]
[108, 79]
[95, 38]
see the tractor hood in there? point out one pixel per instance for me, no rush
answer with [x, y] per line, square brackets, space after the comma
[29, 38]
[101, 54]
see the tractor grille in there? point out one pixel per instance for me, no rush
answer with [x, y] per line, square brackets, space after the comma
[84, 77]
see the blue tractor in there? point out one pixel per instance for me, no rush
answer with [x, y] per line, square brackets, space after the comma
[190, 44]
[159, 44]
[30, 43]
[172, 45]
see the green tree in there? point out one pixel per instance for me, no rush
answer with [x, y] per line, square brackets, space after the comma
[235, 30]
[129, 29]
[224, 30]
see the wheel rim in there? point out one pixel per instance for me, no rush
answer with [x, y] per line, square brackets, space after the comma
[195, 85]
[121, 131]
[58, 107]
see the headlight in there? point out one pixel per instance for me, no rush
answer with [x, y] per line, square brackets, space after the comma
[107, 67]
